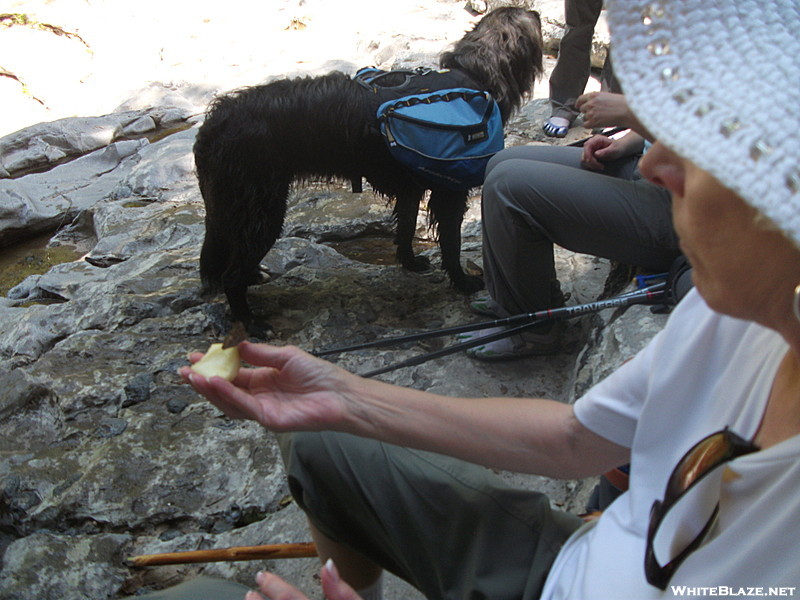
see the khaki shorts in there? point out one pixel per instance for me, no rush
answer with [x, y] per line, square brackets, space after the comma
[452, 529]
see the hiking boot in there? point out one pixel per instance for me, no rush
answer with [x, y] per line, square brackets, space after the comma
[472, 335]
[489, 307]
[538, 341]
[486, 305]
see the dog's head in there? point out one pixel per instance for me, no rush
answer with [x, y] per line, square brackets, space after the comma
[503, 52]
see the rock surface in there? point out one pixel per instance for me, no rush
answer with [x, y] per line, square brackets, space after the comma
[104, 453]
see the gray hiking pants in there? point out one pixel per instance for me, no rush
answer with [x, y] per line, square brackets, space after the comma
[538, 196]
[569, 77]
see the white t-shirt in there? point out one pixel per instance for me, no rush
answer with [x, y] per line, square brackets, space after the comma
[703, 372]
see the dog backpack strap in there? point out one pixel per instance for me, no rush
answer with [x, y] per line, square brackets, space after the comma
[365, 75]
[458, 119]
[377, 80]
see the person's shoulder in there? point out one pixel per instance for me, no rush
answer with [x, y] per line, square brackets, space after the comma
[693, 312]
[694, 323]
[691, 302]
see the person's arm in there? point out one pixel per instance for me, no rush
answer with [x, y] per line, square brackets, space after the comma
[294, 391]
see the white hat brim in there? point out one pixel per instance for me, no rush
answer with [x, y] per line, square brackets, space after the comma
[718, 82]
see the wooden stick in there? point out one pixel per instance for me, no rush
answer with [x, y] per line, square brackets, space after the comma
[236, 553]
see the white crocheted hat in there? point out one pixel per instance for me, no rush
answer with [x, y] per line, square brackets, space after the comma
[718, 82]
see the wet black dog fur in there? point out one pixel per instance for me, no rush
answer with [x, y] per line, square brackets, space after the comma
[255, 142]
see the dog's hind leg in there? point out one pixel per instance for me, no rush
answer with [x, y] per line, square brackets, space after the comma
[221, 269]
[447, 213]
[260, 225]
[242, 224]
[406, 208]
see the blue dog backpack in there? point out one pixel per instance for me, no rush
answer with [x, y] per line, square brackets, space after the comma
[445, 137]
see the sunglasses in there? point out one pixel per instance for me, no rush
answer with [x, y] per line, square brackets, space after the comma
[684, 535]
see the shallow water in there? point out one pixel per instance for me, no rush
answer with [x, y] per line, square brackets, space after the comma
[375, 250]
[32, 257]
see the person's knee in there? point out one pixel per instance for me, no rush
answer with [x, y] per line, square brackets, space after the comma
[321, 460]
[301, 450]
[493, 162]
[303, 454]
[322, 470]
[506, 186]
[510, 154]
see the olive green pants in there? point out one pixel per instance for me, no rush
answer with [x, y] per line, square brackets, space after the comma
[453, 530]
[202, 588]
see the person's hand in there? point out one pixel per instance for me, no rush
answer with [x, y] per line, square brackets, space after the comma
[287, 390]
[274, 588]
[604, 109]
[597, 150]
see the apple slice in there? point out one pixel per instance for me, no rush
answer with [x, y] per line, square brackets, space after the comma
[220, 362]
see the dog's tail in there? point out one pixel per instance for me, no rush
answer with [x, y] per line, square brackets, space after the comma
[214, 255]
[213, 261]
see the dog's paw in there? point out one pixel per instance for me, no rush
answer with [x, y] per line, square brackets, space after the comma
[259, 276]
[260, 330]
[418, 264]
[468, 284]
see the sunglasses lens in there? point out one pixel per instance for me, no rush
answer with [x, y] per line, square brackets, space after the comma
[685, 520]
[703, 457]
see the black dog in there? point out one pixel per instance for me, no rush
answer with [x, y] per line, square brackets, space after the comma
[256, 141]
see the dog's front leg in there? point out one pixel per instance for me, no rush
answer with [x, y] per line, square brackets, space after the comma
[405, 211]
[447, 211]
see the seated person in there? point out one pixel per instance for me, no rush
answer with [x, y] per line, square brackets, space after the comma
[707, 415]
[590, 200]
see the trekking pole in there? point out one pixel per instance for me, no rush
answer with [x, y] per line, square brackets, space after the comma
[652, 293]
[647, 295]
[423, 358]
[517, 323]
[414, 337]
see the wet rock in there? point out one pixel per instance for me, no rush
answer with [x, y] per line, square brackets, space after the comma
[40, 202]
[34, 566]
[138, 389]
[111, 427]
[43, 146]
[177, 405]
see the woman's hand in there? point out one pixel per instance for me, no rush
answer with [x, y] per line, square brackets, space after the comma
[601, 149]
[597, 150]
[286, 390]
[274, 588]
[604, 109]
